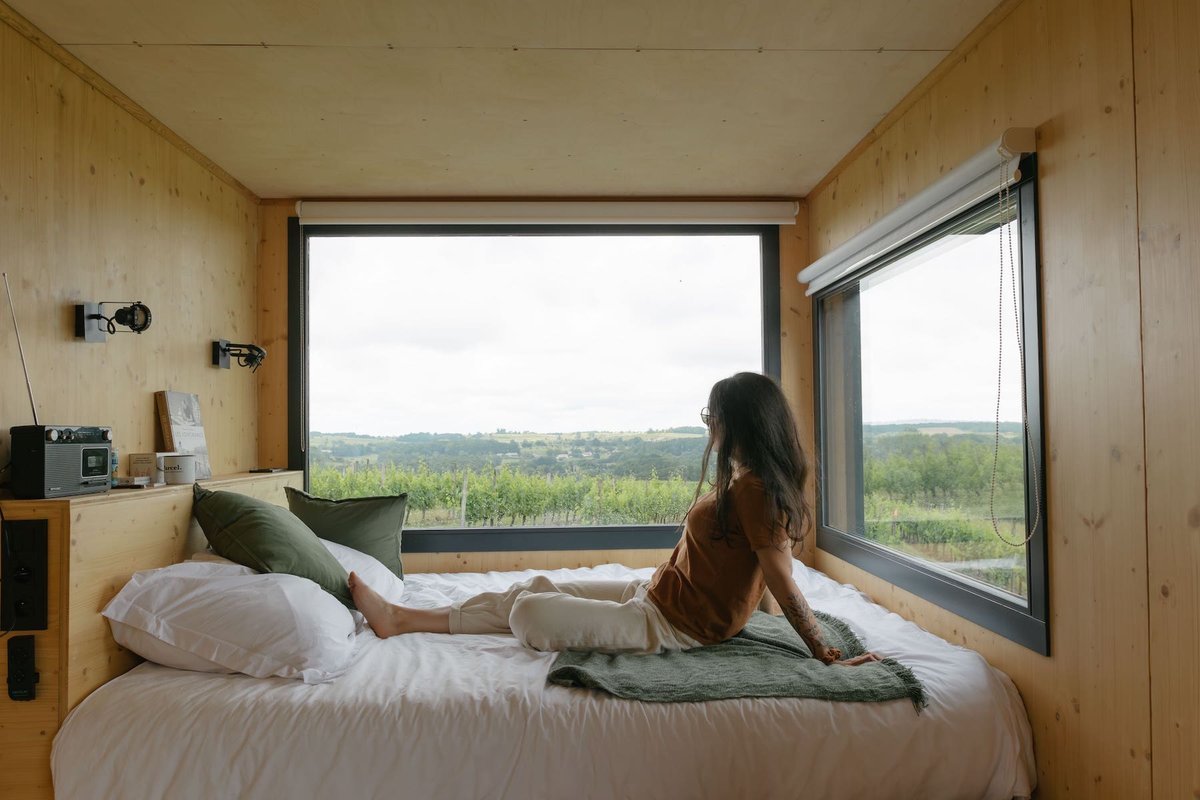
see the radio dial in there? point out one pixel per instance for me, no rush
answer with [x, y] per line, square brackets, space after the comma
[68, 435]
[52, 434]
[108, 435]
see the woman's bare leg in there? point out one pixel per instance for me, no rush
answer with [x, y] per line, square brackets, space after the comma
[387, 619]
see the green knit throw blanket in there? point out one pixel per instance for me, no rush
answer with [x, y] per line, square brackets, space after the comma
[767, 659]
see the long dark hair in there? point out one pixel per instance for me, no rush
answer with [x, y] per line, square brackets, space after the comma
[751, 414]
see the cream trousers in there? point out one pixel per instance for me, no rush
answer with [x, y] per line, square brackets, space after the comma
[609, 616]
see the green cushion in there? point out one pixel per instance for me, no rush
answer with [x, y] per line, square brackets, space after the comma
[370, 525]
[268, 538]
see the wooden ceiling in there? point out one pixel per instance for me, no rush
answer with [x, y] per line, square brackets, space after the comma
[372, 98]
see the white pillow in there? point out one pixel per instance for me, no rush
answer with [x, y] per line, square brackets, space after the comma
[223, 617]
[370, 569]
[209, 557]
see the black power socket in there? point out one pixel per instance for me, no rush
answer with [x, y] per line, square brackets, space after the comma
[22, 669]
[24, 587]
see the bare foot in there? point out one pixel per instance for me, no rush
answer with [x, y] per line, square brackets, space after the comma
[383, 617]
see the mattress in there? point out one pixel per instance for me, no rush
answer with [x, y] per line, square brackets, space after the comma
[438, 716]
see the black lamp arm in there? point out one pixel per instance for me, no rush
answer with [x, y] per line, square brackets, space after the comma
[247, 355]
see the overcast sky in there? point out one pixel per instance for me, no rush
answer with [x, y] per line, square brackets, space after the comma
[566, 333]
[929, 336]
[562, 333]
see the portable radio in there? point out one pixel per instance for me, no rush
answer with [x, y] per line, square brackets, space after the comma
[60, 460]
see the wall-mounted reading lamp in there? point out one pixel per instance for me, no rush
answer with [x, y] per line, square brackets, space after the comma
[247, 355]
[92, 325]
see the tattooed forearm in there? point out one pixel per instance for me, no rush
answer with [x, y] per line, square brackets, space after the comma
[798, 612]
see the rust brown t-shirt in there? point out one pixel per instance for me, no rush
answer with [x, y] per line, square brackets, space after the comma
[709, 587]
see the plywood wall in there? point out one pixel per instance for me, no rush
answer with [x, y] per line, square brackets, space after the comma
[1167, 91]
[1068, 67]
[273, 332]
[796, 353]
[98, 204]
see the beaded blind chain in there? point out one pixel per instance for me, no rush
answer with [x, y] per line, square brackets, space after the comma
[1006, 206]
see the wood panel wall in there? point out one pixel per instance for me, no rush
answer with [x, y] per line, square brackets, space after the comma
[1167, 90]
[273, 332]
[1122, 498]
[100, 203]
[796, 353]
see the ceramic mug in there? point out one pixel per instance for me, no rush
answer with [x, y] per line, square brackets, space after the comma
[157, 476]
[180, 468]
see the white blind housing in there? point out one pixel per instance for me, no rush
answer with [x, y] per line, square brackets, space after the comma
[958, 189]
[550, 212]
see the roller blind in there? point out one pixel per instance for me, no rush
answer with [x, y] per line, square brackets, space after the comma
[564, 212]
[964, 186]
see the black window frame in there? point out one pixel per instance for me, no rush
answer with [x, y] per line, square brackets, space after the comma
[1030, 626]
[507, 539]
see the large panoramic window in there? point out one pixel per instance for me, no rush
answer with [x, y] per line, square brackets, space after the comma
[548, 378]
[930, 417]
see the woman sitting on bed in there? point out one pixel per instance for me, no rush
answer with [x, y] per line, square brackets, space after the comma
[736, 543]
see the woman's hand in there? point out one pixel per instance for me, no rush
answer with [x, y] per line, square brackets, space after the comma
[865, 658]
[833, 655]
[827, 655]
[776, 565]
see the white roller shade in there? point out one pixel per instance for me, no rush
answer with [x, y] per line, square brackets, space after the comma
[959, 189]
[550, 212]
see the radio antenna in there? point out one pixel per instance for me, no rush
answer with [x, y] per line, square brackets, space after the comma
[28, 385]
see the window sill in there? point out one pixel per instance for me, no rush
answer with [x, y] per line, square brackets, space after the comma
[958, 596]
[496, 540]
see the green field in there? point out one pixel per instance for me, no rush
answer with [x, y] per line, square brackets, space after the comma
[506, 497]
[927, 486]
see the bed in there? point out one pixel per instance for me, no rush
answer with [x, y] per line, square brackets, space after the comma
[434, 716]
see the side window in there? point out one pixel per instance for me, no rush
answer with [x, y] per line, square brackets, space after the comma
[929, 417]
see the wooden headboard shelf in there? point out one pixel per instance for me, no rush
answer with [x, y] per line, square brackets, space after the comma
[95, 543]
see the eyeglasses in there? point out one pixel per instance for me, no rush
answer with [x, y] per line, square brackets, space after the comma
[705, 416]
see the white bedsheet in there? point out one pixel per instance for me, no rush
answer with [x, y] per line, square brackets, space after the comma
[435, 716]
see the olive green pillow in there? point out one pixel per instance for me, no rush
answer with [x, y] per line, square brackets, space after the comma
[370, 525]
[268, 538]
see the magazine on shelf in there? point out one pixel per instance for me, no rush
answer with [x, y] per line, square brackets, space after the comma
[182, 427]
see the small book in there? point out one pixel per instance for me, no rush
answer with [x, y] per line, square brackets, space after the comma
[132, 481]
[182, 427]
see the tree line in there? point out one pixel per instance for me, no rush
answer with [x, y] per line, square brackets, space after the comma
[623, 455]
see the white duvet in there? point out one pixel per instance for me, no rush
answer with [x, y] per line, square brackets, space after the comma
[435, 716]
